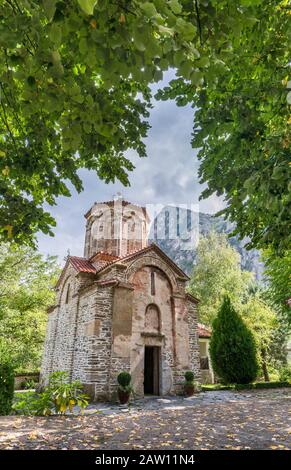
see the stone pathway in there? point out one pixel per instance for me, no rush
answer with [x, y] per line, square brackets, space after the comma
[256, 419]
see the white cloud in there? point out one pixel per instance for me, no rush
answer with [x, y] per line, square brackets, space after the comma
[167, 175]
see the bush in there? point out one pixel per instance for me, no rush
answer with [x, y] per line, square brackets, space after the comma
[189, 376]
[232, 347]
[285, 374]
[124, 379]
[59, 396]
[28, 384]
[6, 386]
[255, 385]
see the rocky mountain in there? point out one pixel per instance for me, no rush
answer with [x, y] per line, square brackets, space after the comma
[176, 230]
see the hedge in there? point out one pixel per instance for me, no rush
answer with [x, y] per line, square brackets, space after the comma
[251, 386]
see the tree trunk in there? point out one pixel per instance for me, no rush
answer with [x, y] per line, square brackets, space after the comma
[264, 365]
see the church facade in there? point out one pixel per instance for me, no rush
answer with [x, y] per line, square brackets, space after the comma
[122, 307]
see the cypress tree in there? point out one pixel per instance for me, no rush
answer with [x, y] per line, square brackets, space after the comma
[232, 347]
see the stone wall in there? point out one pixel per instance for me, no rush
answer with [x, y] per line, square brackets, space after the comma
[193, 339]
[143, 297]
[99, 328]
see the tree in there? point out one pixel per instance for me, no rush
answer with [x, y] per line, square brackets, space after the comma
[232, 347]
[277, 275]
[26, 281]
[217, 273]
[74, 83]
[262, 322]
[242, 122]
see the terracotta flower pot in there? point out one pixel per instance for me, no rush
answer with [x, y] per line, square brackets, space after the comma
[189, 389]
[123, 396]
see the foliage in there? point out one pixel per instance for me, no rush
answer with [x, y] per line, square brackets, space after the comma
[26, 281]
[262, 322]
[58, 397]
[285, 373]
[189, 376]
[251, 386]
[217, 273]
[242, 117]
[232, 347]
[32, 403]
[124, 380]
[278, 276]
[74, 79]
[74, 94]
[6, 382]
[28, 384]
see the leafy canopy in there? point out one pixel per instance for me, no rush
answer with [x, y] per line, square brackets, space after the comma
[242, 118]
[74, 83]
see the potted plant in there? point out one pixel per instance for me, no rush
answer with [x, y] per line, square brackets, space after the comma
[189, 386]
[124, 387]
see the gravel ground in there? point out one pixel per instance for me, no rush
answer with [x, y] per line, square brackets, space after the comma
[256, 419]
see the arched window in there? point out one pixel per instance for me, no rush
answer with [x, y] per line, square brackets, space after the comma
[68, 294]
[152, 319]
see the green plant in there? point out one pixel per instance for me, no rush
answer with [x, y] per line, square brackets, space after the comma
[6, 386]
[285, 374]
[124, 380]
[32, 403]
[28, 384]
[58, 397]
[239, 387]
[232, 347]
[189, 377]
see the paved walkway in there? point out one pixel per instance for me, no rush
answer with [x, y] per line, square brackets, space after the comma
[211, 420]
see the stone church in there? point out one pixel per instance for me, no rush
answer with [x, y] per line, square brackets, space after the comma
[122, 307]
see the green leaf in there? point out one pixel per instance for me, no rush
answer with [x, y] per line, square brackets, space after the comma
[186, 29]
[175, 6]
[49, 7]
[88, 6]
[149, 9]
[55, 34]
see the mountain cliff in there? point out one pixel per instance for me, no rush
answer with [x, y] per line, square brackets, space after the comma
[176, 231]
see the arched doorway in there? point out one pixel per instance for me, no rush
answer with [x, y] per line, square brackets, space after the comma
[152, 354]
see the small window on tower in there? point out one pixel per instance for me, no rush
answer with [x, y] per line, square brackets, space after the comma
[133, 227]
[101, 228]
[153, 287]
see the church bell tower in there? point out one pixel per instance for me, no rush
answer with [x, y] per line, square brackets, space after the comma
[115, 227]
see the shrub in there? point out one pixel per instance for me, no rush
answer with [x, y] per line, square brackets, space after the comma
[6, 386]
[124, 379]
[285, 374]
[59, 396]
[232, 347]
[189, 376]
[27, 384]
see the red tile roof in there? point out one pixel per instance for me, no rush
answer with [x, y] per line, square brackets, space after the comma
[102, 256]
[82, 264]
[204, 331]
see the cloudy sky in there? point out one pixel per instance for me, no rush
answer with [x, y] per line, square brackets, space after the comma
[167, 176]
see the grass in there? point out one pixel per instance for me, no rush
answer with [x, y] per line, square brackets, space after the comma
[252, 386]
